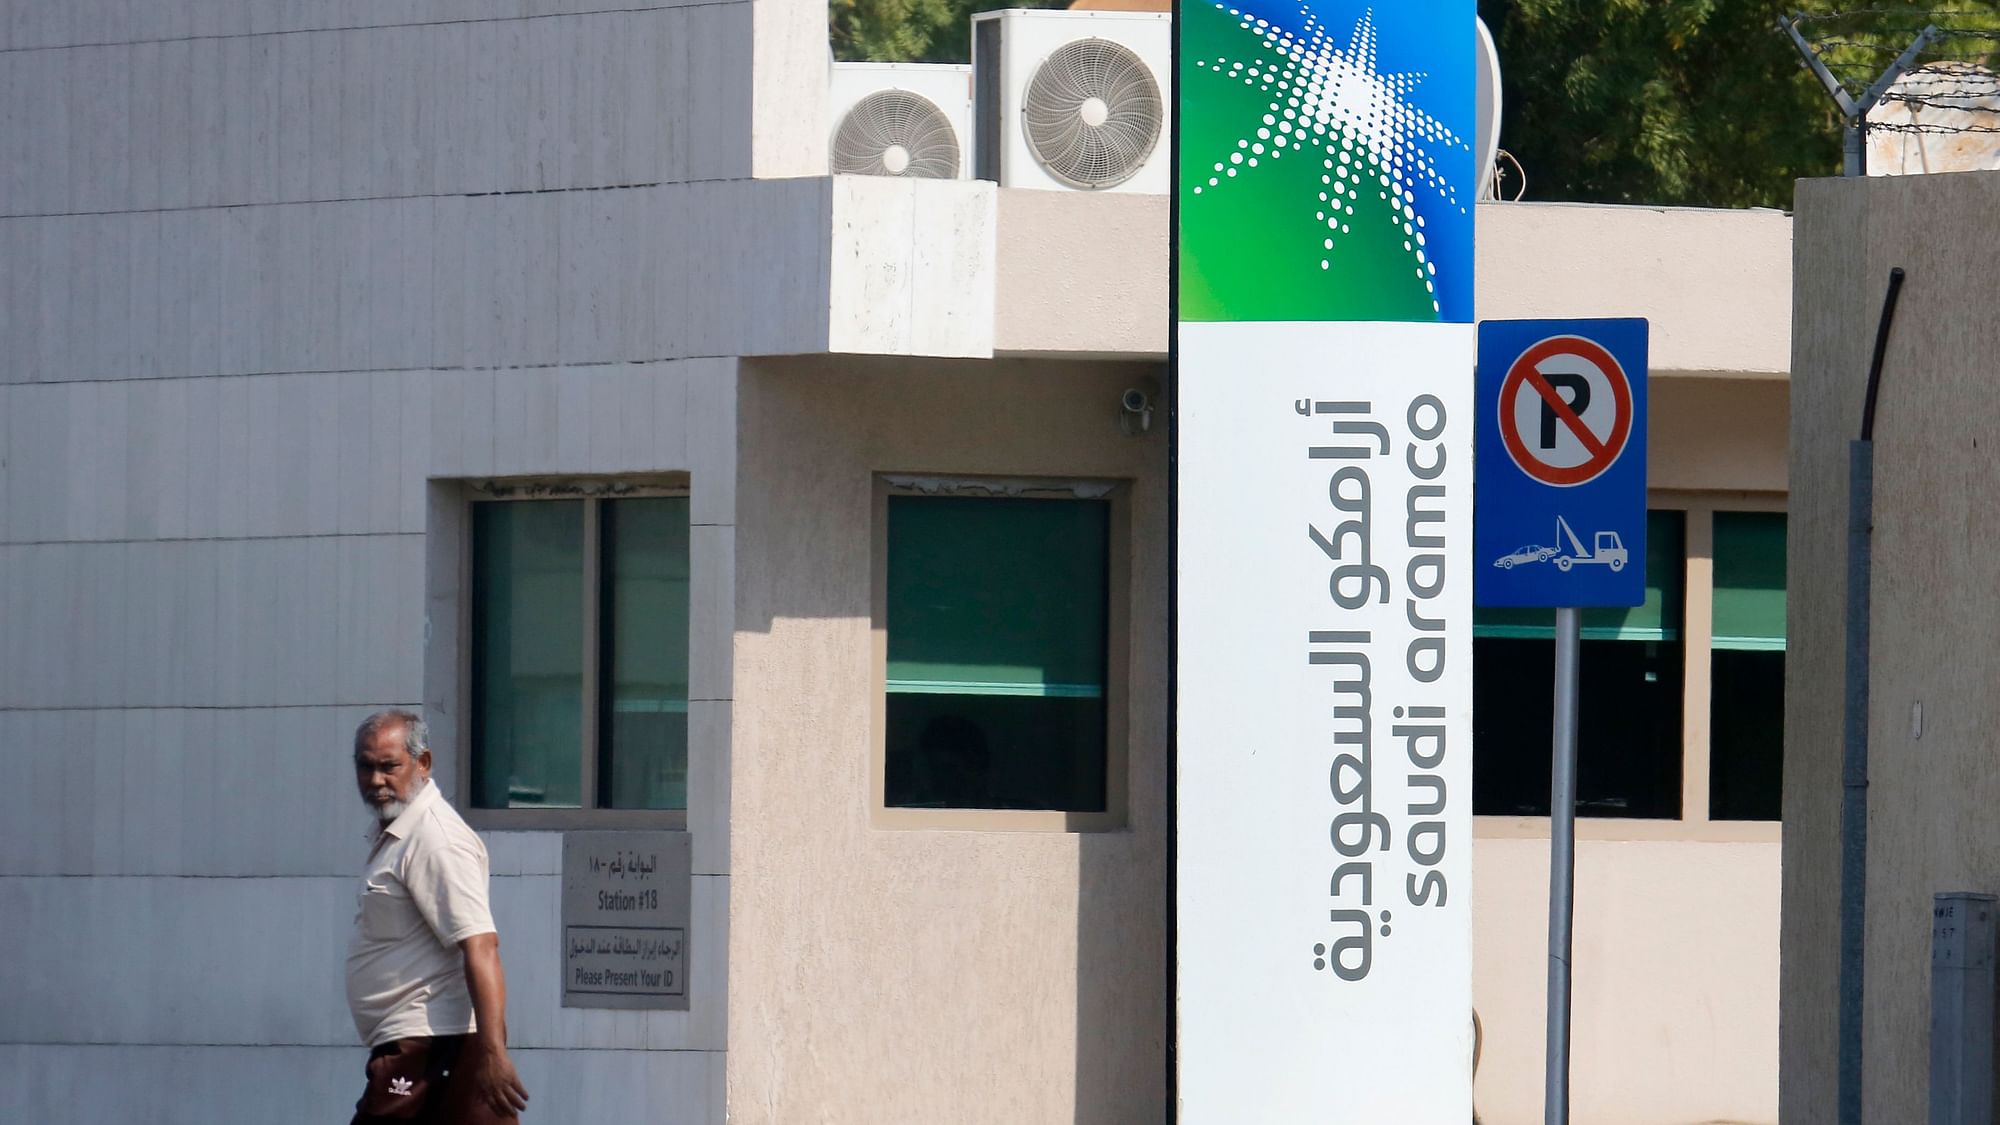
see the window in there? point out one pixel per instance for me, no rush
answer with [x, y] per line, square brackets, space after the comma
[1629, 698]
[997, 684]
[579, 661]
[1747, 667]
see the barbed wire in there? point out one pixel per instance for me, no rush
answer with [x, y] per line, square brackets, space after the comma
[1948, 77]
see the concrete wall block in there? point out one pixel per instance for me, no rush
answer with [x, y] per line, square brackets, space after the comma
[26, 24]
[523, 853]
[718, 91]
[572, 420]
[710, 423]
[668, 441]
[207, 308]
[712, 611]
[99, 96]
[586, 304]
[388, 456]
[143, 435]
[605, 388]
[204, 424]
[18, 321]
[709, 745]
[450, 284]
[171, 279]
[414, 423]
[416, 342]
[527, 910]
[708, 963]
[288, 442]
[110, 824]
[41, 1082]
[140, 353]
[219, 623]
[447, 441]
[147, 140]
[526, 410]
[357, 266]
[355, 451]
[285, 987]
[19, 800]
[175, 98]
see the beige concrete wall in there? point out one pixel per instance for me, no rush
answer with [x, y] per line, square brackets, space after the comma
[1717, 435]
[1675, 996]
[1714, 284]
[1937, 563]
[1834, 292]
[893, 976]
[1084, 275]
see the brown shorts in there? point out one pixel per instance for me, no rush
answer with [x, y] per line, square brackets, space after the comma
[411, 1080]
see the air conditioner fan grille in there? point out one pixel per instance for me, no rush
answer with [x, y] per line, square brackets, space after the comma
[1092, 113]
[896, 133]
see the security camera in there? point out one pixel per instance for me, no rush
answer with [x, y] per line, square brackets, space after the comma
[1136, 412]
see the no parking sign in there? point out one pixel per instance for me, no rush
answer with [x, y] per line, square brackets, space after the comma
[1560, 476]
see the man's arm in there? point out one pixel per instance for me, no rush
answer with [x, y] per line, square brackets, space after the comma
[493, 1077]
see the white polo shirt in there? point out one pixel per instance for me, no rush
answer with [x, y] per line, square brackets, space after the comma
[423, 892]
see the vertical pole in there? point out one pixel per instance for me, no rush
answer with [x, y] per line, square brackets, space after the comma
[1854, 777]
[1962, 948]
[1854, 139]
[1562, 864]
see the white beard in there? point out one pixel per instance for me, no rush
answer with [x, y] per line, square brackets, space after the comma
[388, 813]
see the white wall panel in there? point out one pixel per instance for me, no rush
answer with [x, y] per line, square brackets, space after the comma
[366, 112]
[710, 422]
[712, 615]
[709, 740]
[79, 624]
[658, 273]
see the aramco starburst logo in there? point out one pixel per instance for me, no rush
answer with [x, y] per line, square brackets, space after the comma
[1303, 156]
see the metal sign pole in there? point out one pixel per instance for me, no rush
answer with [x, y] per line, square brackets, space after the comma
[1562, 863]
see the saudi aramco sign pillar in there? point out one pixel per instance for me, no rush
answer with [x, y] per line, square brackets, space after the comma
[1324, 202]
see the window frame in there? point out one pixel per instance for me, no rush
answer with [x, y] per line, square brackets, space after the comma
[1697, 638]
[592, 492]
[1116, 494]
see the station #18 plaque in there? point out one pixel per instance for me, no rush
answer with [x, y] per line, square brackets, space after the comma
[625, 920]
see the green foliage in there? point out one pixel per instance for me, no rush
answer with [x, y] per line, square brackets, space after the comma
[1700, 102]
[911, 30]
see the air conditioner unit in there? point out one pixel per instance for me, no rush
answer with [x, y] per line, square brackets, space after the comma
[901, 119]
[1073, 100]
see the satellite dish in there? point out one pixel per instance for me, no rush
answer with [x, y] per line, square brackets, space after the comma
[1092, 113]
[1937, 118]
[1489, 107]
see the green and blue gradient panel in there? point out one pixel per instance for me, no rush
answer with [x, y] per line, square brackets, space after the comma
[1326, 163]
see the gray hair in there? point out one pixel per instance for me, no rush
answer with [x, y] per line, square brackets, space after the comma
[416, 736]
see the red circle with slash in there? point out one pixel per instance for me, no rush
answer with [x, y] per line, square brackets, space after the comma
[1525, 376]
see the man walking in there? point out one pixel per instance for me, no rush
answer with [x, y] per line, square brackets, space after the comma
[423, 968]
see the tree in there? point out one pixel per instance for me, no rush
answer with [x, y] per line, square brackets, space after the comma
[911, 30]
[1693, 101]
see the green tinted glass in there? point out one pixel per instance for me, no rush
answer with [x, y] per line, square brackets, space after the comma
[1750, 580]
[643, 728]
[527, 654]
[997, 597]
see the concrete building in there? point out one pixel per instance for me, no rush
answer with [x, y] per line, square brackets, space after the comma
[1931, 710]
[334, 336]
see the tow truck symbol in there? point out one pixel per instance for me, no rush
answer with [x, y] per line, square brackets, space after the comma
[1607, 549]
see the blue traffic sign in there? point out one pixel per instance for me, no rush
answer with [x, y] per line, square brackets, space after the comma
[1559, 476]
